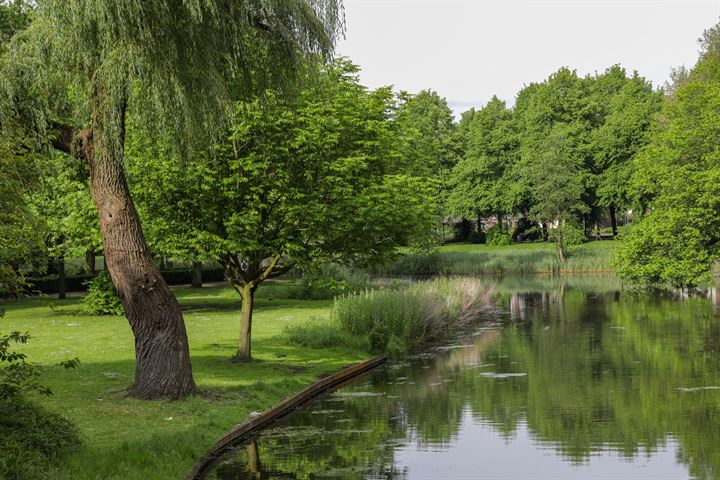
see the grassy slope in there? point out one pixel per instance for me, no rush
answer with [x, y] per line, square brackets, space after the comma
[524, 258]
[130, 439]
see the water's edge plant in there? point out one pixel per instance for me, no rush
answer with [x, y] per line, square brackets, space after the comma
[398, 321]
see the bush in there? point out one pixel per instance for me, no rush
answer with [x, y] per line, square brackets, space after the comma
[462, 230]
[414, 264]
[403, 321]
[320, 284]
[498, 237]
[102, 297]
[572, 235]
[527, 231]
[32, 440]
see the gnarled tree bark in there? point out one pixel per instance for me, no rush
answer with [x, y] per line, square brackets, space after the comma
[162, 367]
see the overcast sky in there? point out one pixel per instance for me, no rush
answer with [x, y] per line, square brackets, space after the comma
[469, 50]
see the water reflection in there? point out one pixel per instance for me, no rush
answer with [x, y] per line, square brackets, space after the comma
[576, 380]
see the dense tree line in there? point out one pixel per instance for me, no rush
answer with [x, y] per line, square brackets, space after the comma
[561, 157]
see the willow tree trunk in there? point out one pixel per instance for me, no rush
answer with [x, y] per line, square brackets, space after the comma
[162, 357]
[248, 297]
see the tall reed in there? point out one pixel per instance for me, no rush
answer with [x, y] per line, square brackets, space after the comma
[406, 320]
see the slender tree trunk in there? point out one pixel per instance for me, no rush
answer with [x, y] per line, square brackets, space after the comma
[90, 262]
[62, 281]
[479, 223]
[613, 219]
[196, 278]
[560, 244]
[162, 367]
[248, 297]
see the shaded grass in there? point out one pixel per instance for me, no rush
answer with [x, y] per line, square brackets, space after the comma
[474, 259]
[124, 438]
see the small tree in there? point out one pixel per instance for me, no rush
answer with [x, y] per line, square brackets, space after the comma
[300, 181]
[558, 187]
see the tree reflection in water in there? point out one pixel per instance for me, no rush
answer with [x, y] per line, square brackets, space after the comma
[576, 365]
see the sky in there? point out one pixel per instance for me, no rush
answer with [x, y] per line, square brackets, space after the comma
[470, 50]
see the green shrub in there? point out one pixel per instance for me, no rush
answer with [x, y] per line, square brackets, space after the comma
[325, 283]
[32, 440]
[572, 235]
[498, 237]
[406, 320]
[102, 297]
[414, 264]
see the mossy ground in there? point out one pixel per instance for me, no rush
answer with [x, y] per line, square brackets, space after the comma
[124, 438]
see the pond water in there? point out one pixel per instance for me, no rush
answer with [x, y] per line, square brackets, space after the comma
[573, 378]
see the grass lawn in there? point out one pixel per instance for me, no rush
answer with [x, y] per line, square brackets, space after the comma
[130, 439]
[476, 259]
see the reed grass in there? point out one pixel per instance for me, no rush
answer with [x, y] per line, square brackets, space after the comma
[405, 320]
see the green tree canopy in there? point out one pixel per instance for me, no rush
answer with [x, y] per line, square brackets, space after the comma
[478, 181]
[676, 179]
[299, 181]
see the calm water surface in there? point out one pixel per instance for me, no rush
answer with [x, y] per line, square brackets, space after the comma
[572, 378]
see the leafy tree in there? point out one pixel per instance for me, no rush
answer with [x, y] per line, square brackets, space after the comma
[558, 187]
[61, 200]
[429, 141]
[676, 178]
[426, 126]
[83, 64]
[625, 109]
[19, 232]
[559, 107]
[477, 181]
[300, 180]
[14, 17]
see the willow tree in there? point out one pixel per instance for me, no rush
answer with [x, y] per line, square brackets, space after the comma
[178, 63]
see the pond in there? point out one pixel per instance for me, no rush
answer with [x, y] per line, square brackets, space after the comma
[572, 378]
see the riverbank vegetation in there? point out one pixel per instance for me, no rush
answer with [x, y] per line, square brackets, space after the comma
[402, 320]
[474, 259]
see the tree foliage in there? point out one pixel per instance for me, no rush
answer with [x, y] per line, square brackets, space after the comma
[300, 180]
[676, 180]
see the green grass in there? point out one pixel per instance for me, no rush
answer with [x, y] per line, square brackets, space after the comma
[124, 438]
[474, 259]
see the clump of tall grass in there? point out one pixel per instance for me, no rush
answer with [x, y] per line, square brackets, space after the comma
[406, 320]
